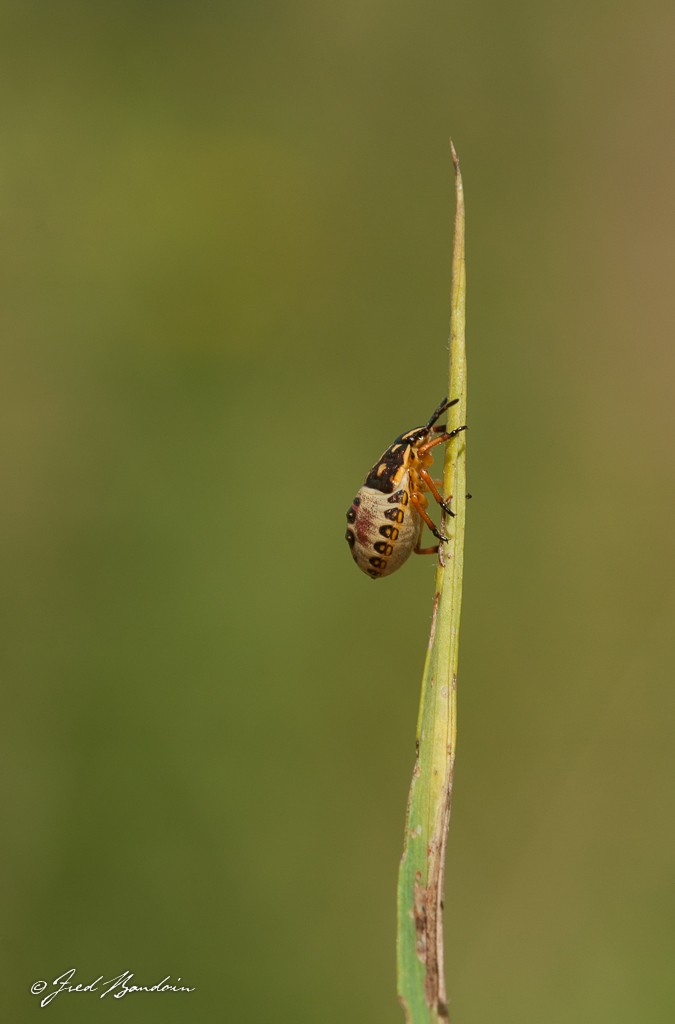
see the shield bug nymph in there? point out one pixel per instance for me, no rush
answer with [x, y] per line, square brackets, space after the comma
[387, 516]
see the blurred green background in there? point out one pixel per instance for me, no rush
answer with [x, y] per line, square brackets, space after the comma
[226, 235]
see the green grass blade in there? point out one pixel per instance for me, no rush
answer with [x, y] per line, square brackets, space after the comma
[421, 980]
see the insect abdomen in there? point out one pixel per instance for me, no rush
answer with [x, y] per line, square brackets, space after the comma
[382, 530]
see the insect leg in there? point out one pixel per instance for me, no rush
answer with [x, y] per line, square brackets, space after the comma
[436, 493]
[420, 550]
[419, 501]
[423, 448]
[425, 551]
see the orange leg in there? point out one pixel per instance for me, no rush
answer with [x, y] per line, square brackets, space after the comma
[424, 551]
[420, 502]
[424, 448]
[435, 491]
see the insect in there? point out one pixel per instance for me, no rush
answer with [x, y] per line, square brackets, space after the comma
[386, 518]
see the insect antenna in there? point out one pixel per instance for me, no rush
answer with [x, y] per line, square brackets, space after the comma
[445, 404]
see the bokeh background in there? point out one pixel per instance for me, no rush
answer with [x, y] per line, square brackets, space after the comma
[225, 264]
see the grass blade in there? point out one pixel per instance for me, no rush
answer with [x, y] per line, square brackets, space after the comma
[421, 979]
